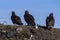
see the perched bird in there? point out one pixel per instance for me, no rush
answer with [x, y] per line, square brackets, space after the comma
[16, 19]
[50, 21]
[29, 18]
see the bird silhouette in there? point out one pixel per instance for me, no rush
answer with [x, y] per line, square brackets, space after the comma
[16, 19]
[50, 21]
[29, 18]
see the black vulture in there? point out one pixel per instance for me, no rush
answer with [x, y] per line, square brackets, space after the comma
[29, 18]
[50, 21]
[16, 19]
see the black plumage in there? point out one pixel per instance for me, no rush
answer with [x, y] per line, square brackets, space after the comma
[29, 18]
[50, 21]
[16, 19]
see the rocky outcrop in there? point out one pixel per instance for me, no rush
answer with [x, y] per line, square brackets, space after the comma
[13, 32]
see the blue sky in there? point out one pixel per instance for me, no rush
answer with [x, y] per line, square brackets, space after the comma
[40, 9]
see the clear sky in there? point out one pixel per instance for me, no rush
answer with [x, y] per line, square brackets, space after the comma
[40, 9]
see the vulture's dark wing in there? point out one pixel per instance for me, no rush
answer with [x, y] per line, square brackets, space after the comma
[18, 20]
[47, 21]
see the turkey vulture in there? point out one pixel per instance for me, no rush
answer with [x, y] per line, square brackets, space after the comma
[29, 18]
[16, 19]
[50, 21]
